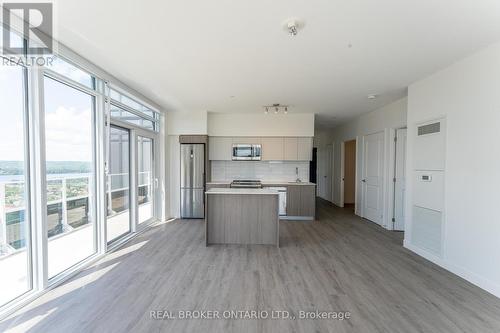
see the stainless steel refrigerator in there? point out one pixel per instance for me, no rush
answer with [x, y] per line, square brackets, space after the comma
[192, 181]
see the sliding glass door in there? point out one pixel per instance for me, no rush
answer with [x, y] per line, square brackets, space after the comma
[118, 191]
[145, 178]
[15, 228]
[70, 165]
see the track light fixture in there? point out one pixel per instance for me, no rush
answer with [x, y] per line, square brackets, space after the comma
[277, 108]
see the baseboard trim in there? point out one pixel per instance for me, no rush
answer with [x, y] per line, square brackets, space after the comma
[485, 284]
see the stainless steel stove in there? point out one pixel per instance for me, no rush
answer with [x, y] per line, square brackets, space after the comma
[246, 183]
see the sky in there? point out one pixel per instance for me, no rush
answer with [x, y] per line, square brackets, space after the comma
[68, 123]
[11, 114]
[68, 119]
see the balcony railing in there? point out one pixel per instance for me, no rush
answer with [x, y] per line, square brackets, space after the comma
[68, 206]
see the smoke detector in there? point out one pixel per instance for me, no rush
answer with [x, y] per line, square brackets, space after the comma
[292, 26]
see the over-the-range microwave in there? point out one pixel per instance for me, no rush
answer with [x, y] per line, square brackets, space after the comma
[247, 152]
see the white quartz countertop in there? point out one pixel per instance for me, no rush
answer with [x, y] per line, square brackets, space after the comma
[264, 183]
[272, 183]
[242, 191]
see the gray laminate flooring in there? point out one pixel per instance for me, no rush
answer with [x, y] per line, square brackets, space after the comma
[337, 263]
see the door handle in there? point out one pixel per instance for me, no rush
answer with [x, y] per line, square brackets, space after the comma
[363, 180]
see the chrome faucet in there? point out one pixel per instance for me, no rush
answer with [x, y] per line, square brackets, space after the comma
[297, 180]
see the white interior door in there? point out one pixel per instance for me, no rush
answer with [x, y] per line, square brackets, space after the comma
[324, 172]
[328, 173]
[319, 172]
[342, 174]
[400, 177]
[373, 177]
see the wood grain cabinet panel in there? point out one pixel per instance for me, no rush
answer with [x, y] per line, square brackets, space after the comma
[293, 200]
[272, 149]
[242, 219]
[247, 140]
[307, 201]
[301, 200]
[290, 152]
[220, 148]
[304, 149]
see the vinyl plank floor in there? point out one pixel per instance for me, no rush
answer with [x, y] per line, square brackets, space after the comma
[339, 262]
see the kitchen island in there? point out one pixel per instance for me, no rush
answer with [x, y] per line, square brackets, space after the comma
[241, 216]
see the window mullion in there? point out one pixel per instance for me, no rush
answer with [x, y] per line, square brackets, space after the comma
[133, 181]
[38, 180]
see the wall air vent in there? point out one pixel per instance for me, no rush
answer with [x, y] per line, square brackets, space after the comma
[429, 129]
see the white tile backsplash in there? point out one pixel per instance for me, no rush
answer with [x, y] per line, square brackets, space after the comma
[266, 171]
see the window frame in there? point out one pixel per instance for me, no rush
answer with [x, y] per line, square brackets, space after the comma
[155, 119]
[94, 94]
[36, 198]
[154, 179]
[119, 238]
[27, 158]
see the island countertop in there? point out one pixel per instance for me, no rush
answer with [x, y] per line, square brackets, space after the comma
[242, 191]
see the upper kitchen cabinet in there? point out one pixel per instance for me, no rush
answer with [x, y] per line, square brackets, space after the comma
[290, 152]
[220, 148]
[272, 149]
[246, 140]
[304, 149]
[297, 149]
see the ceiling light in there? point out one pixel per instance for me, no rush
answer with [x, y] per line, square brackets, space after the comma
[292, 26]
[277, 108]
[372, 96]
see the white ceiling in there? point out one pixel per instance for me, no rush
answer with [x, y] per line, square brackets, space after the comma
[193, 55]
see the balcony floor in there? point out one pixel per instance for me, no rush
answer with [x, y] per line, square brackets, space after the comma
[64, 251]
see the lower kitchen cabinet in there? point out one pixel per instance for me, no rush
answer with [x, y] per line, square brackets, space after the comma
[292, 200]
[301, 200]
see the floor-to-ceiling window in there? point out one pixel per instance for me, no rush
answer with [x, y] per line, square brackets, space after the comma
[70, 169]
[60, 202]
[134, 127]
[118, 192]
[145, 178]
[15, 254]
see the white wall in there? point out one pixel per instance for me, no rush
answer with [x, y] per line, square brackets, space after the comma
[179, 123]
[260, 124]
[173, 175]
[385, 119]
[467, 94]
